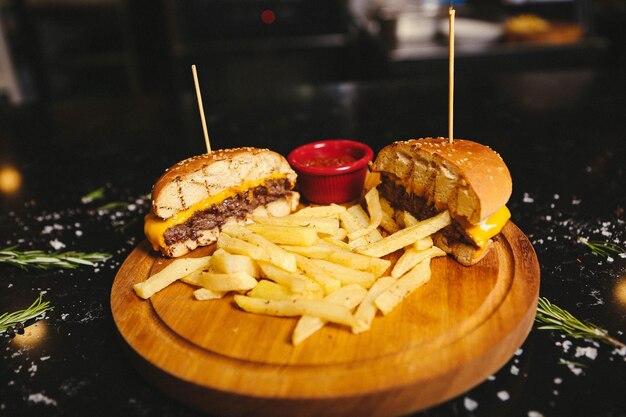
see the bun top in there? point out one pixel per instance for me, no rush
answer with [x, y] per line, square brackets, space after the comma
[197, 178]
[469, 179]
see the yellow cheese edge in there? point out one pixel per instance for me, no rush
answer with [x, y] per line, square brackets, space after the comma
[481, 233]
[154, 227]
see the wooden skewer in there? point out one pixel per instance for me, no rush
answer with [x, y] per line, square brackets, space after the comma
[201, 109]
[451, 77]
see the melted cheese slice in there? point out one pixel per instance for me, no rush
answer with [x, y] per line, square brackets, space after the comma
[481, 233]
[155, 227]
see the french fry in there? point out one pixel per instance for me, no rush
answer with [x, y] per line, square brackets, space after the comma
[271, 290]
[372, 199]
[349, 222]
[404, 286]
[337, 242]
[334, 313]
[341, 254]
[223, 261]
[332, 210]
[240, 247]
[372, 179]
[194, 278]
[366, 311]
[316, 273]
[398, 216]
[424, 243]
[388, 223]
[340, 235]
[317, 251]
[344, 274]
[221, 282]
[375, 215]
[358, 243]
[408, 219]
[203, 294]
[361, 218]
[385, 205]
[412, 257]
[349, 296]
[271, 252]
[324, 225]
[286, 235]
[171, 273]
[360, 221]
[295, 282]
[406, 236]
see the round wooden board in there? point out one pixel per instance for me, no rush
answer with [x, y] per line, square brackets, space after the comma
[446, 337]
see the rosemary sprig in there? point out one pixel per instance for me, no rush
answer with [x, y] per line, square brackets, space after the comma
[96, 194]
[46, 260]
[603, 249]
[556, 318]
[113, 205]
[572, 363]
[10, 320]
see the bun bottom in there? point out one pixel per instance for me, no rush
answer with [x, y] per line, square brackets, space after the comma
[278, 208]
[463, 253]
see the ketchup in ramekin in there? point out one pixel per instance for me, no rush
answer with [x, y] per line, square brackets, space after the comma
[331, 171]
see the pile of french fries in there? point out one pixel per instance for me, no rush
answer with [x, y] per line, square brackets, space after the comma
[322, 264]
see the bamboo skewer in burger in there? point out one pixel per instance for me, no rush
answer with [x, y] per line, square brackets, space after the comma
[430, 175]
[451, 76]
[201, 109]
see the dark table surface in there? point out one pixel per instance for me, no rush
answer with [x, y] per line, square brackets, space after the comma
[560, 131]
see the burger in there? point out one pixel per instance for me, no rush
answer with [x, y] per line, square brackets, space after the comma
[194, 198]
[470, 180]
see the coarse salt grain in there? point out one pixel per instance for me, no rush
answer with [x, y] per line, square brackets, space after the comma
[575, 370]
[470, 404]
[514, 370]
[41, 398]
[503, 395]
[57, 244]
[566, 345]
[621, 351]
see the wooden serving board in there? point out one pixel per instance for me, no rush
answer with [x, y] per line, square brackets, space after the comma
[446, 337]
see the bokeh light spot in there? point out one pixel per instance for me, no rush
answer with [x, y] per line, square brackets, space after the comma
[268, 16]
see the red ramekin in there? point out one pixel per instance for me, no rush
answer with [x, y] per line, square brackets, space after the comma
[331, 184]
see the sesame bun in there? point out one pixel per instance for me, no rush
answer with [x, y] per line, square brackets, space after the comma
[195, 179]
[467, 178]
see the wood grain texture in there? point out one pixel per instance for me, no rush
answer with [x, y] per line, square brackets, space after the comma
[448, 336]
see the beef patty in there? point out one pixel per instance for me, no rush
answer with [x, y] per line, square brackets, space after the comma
[237, 206]
[397, 195]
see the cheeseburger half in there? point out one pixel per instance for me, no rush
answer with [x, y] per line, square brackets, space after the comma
[194, 198]
[427, 176]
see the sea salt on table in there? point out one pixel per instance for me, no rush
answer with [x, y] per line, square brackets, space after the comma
[470, 404]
